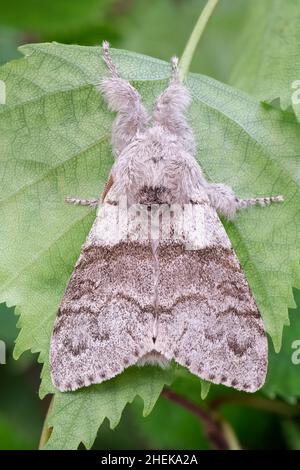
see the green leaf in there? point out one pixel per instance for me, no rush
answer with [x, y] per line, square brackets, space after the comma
[7, 325]
[54, 142]
[188, 384]
[83, 411]
[283, 377]
[269, 51]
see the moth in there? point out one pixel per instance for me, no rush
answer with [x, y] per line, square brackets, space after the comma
[140, 298]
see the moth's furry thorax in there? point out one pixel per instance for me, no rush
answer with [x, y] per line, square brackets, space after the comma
[157, 159]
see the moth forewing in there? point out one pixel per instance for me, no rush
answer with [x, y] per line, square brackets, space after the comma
[209, 320]
[105, 320]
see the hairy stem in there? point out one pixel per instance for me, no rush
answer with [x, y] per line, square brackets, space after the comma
[46, 431]
[219, 434]
[188, 53]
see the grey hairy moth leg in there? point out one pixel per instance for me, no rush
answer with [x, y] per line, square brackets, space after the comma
[226, 203]
[258, 201]
[91, 202]
[170, 108]
[125, 100]
[82, 202]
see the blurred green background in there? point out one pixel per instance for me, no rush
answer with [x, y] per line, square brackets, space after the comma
[159, 28]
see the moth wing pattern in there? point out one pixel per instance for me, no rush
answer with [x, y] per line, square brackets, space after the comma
[104, 322]
[202, 310]
[210, 322]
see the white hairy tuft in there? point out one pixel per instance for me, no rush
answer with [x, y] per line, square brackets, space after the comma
[105, 45]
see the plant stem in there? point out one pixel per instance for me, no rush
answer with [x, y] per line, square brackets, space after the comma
[46, 431]
[220, 435]
[233, 443]
[261, 403]
[197, 32]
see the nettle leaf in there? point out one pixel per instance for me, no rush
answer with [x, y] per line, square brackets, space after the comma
[54, 142]
[283, 377]
[83, 411]
[269, 60]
